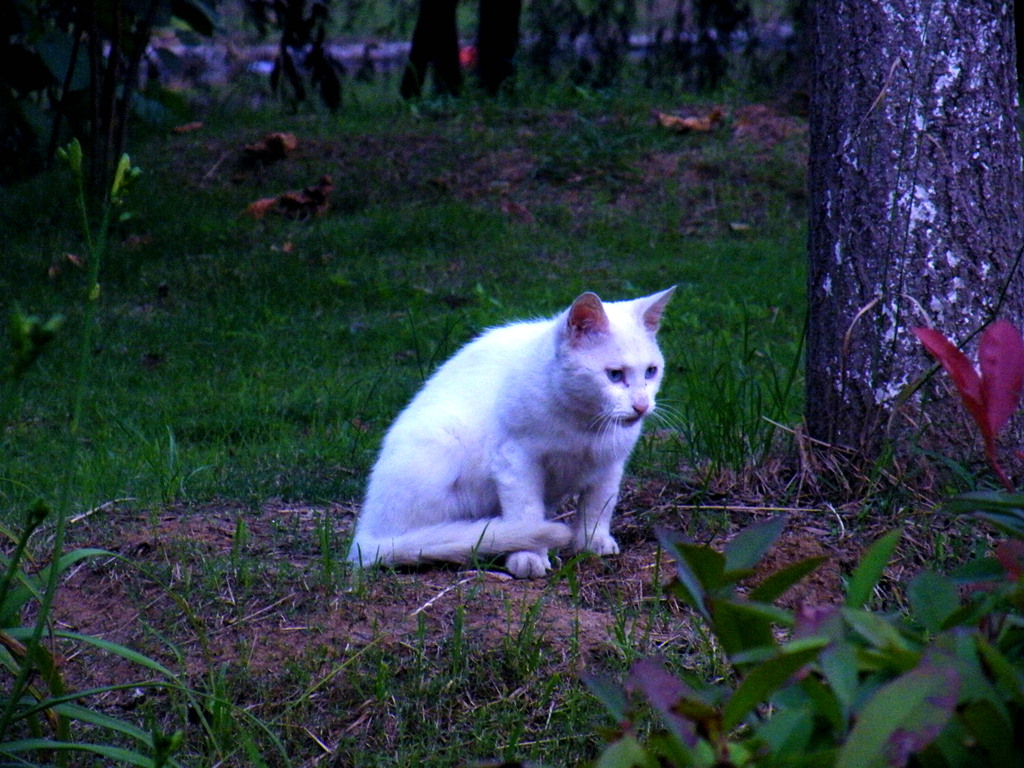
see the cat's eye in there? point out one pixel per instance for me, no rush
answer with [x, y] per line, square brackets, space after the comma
[616, 375]
[651, 372]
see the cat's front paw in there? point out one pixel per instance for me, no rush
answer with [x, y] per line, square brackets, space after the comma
[598, 543]
[527, 565]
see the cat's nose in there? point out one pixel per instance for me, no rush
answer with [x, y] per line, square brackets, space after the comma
[640, 407]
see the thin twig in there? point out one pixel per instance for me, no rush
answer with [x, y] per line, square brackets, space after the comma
[213, 168]
[320, 743]
[750, 510]
[441, 594]
[259, 612]
[102, 507]
[805, 436]
[849, 331]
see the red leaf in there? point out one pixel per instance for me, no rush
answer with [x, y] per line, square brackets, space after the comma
[1001, 357]
[965, 378]
[992, 396]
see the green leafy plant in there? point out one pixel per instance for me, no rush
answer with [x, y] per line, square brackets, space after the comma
[834, 685]
[39, 709]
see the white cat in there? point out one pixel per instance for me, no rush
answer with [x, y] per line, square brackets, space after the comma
[521, 418]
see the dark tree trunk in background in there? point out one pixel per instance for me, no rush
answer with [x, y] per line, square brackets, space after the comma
[717, 22]
[435, 46]
[496, 42]
[916, 208]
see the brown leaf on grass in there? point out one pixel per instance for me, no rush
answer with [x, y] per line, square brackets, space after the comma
[56, 267]
[187, 128]
[273, 147]
[261, 208]
[693, 123]
[136, 241]
[304, 204]
[311, 201]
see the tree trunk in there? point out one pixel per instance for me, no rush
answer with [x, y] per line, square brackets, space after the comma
[435, 45]
[916, 210]
[497, 41]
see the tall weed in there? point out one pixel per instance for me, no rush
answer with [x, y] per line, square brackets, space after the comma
[38, 710]
[42, 719]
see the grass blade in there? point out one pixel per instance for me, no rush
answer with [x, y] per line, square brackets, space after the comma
[116, 754]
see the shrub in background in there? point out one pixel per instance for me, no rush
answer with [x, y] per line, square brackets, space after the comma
[75, 69]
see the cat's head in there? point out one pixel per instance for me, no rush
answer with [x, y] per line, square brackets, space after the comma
[610, 366]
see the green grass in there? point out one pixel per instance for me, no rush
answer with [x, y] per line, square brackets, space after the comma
[242, 364]
[250, 360]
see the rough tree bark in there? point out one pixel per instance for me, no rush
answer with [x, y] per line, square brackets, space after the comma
[435, 45]
[916, 209]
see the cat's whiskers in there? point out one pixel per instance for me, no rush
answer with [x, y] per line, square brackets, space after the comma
[668, 416]
[601, 423]
[611, 427]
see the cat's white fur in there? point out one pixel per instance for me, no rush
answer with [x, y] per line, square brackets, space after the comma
[520, 419]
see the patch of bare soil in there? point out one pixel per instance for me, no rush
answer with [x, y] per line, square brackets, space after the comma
[221, 583]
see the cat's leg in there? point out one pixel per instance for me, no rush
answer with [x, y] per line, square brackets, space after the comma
[520, 482]
[592, 527]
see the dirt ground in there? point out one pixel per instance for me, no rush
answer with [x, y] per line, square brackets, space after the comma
[223, 582]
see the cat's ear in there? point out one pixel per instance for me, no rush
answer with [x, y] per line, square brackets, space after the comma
[586, 318]
[654, 307]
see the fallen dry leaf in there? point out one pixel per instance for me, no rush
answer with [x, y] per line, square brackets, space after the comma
[516, 210]
[691, 124]
[56, 267]
[187, 127]
[305, 204]
[135, 242]
[261, 208]
[273, 147]
[312, 201]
